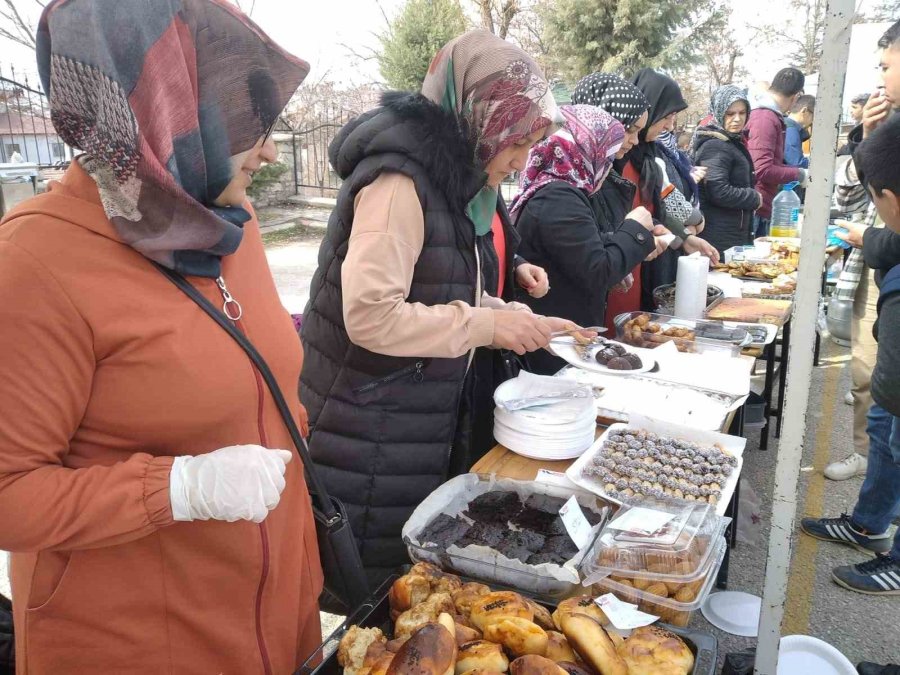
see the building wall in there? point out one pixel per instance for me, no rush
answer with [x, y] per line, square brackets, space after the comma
[34, 148]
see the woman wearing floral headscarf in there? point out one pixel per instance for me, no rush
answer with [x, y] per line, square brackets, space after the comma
[727, 197]
[156, 520]
[397, 306]
[559, 228]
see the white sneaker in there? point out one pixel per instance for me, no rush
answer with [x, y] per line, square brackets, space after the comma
[848, 399]
[850, 466]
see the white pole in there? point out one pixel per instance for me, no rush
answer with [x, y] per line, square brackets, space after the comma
[826, 129]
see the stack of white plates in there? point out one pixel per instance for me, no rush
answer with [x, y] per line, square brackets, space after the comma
[562, 428]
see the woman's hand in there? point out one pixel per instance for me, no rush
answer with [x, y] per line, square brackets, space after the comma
[533, 279]
[698, 228]
[520, 332]
[698, 173]
[642, 216]
[625, 285]
[694, 244]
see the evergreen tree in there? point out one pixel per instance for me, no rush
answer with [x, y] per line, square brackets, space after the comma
[414, 37]
[626, 35]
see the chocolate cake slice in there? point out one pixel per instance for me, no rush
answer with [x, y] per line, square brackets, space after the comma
[443, 531]
[494, 507]
[484, 534]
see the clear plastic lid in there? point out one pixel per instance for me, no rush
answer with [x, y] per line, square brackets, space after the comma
[655, 541]
[672, 601]
[649, 330]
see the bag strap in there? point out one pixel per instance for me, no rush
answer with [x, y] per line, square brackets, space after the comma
[331, 514]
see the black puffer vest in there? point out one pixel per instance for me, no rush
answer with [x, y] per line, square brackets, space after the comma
[382, 427]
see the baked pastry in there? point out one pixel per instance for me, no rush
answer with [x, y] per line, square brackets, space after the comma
[652, 650]
[592, 644]
[542, 616]
[426, 612]
[354, 645]
[581, 604]
[407, 592]
[480, 671]
[558, 648]
[573, 668]
[481, 655]
[518, 636]
[532, 664]
[439, 580]
[377, 661]
[466, 634]
[431, 650]
[499, 605]
[466, 595]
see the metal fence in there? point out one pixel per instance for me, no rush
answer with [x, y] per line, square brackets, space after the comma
[26, 132]
[312, 171]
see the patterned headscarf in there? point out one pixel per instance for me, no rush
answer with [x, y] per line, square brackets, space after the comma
[161, 95]
[722, 99]
[617, 96]
[581, 153]
[499, 92]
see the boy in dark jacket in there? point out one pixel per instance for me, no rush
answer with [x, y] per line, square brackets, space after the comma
[879, 497]
[766, 130]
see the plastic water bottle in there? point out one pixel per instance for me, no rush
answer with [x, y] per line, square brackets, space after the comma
[785, 212]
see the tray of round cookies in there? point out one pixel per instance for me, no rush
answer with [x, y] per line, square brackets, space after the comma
[429, 622]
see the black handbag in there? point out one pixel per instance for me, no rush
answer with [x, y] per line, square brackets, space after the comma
[346, 585]
[7, 638]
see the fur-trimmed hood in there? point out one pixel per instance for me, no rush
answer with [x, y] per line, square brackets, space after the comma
[708, 133]
[409, 124]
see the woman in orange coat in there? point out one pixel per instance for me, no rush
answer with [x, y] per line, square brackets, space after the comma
[156, 521]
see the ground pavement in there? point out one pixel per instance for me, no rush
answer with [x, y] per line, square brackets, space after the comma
[860, 626]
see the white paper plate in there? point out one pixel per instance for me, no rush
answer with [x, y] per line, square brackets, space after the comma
[566, 350]
[527, 422]
[534, 449]
[733, 444]
[733, 612]
[805, 654]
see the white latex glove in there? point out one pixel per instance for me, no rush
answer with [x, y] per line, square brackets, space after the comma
[241, 482]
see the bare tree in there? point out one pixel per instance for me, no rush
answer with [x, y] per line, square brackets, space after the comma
[18, 24]
[802, 33]
[497, 15]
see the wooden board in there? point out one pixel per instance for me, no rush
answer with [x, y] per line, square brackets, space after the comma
[752, 310]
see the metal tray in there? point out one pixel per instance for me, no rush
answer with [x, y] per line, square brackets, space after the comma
[377, 613]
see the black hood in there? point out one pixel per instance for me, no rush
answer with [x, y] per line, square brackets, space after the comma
[704, 134]
[410, 125]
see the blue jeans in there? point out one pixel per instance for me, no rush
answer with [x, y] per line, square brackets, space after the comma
[879, 496]
[760, 227]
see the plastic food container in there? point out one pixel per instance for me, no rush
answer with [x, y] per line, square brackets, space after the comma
[549, 581]
[664, 297]
[649, 330]
[377, 613]
[677, 553]
[673, 602]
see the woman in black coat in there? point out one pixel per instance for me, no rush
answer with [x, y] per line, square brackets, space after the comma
[559, 228]
[727, 196]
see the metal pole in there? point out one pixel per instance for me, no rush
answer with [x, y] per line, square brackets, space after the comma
[832, 71]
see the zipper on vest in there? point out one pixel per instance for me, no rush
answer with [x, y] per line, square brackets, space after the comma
[231, 307]
[414, 369]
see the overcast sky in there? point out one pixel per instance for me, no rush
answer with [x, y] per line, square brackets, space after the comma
[316, 30]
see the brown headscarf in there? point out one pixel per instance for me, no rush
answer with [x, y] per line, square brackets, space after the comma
[501, 94]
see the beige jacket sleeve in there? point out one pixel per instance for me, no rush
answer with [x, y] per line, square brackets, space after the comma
[385, 242]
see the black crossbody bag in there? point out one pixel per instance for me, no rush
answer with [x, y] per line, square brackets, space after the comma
[346, 586]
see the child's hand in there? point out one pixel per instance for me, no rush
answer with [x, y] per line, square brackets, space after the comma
[533, 279]
[853, 234]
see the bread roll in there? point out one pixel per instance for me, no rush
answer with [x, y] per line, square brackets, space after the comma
[479, 671]
[592, 644]
[581, 604]
[465, 596]
[558, 648]
[439, 580]
[534, 665]
[378, 660]
[518, 636]
[573, 668]
[407, 592]
[499, 605]
[430, 651]
[542, 616]
[654, 651]
[425, 612]
[481, 655]
[465, 634]
[354, 645]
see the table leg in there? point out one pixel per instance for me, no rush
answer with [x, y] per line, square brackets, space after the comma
[767, 394]
[782, 376]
